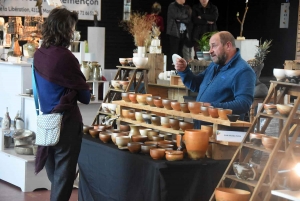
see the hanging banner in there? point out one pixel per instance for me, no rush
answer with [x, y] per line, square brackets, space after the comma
[284, 15]
[85, 8]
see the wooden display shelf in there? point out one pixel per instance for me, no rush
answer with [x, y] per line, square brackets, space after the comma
[132, 68]
[184, 115]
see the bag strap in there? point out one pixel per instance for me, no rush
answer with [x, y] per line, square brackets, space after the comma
[35, 90]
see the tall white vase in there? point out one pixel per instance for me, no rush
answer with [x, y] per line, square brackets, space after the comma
[141, 51]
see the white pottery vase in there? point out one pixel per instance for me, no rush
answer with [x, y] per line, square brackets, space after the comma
[141, 51]
[140, 62]
[85, 69]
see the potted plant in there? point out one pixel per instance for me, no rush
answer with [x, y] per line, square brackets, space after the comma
[203, 44]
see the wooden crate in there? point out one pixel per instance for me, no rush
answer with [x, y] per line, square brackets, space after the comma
[221, 152]
[176, 80]
[155, 65]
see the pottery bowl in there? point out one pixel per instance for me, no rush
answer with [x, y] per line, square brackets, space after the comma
[167, 103]
[146, 117]
[279, 74]
[86, 129]
[138, 116]
[166, 146]
[270, 108]
[233, 117]
[149, 100]
[145, 148]
[104, 137]
[174, 123]
[124, 84]
[194, 107]
[284, 109]
[184, 107]
[158, 102]
[94, 133]
[223, 113]
[186, 125]
[255, 138]
[213, 112]
[125, 96]
[144, 131]
[172, 155]
[157, 153]
[152, 133]
[134, 147]
[155, 120]
[231, 194]
[269, 142]
[292, 73]
[140, 62]
[204, 110]
[151, 142]
[125, 113]
[122, 141]
[116, 84]
[141, 98]
[164, 121]
[124, 127]
[168, 136]
[165, 142]
[175, 106]
[131, 114]
[114, 135]
[208, 129]
[123, 61]
[132, 97]
[139, 138]
[157, 138]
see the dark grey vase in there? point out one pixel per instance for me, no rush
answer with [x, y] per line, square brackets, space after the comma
[261, 90]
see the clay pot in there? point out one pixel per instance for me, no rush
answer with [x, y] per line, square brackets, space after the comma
[155, 120]
[184, 107]
[131, 114]
[166, 146]
[208, 129]
[139, 138]
[144, 131]
[175, 106]
[174, 155]
[86, 129]
[125, 96]
[164, 121]
[149, 100]
[157, 153]
[167, 103]
[223, 113]
[125, 113]
[196, 142]
[174, 123]
[152, 142]
[268, 142]
[233, 117]
[186, 125]
[134, 130]
[168, 136]
[134, 147]
[158, 102]
[132, 97]
[284, 109]
[124, 127]
[194, 107]
[146, 117]
[145, 148]
[122, 141]
[213, 112]
[104, 137]
[114, 135]
[138, 116]
[94, 133]
[231, 194]
[152, 133]
[204, 110]
[270, 108]
[141, 98]
[157, 138]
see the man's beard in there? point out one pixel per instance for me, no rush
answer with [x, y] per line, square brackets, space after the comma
[221, 59]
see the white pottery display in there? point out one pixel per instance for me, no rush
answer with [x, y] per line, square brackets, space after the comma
[140, 62]
[161, 76]
[141, 51]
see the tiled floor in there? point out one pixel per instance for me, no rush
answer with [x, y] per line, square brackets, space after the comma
[9, 192]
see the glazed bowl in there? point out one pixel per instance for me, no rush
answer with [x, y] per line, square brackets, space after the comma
[157, 138]
[124, 84]
[158, 102]
[194, 107]
[223, 113]
[125, 96]
[139, 138]
[144, 131]
[213, 112]
[138, 116]
[167, 103]
[149, 100]
[256, 138]
[269, 142]
[155, 120]
[204, 110]
[86, 129]
[231, 194]
[123, 61]
[174, 123]
[122, 141]
[164, 121]
[132, 97]
[141, 98]
[244, 171]
[105, 108]
[145, 148]
[233, 117]
[140, 62]
[104, 137]
[125, 112]
[184, 107]
[152, 133]
[116, 84]
[94, 133]
[146, 117]
[284, 109]
[134, 147]
[270, 108]
[157, 153]
[131, 114]
[175, 106]
[114, 135]
[279, 74]
[172, 155]
[124, 127]
[186, 125]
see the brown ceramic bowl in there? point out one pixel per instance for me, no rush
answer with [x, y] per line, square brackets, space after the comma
[157, 153]
[149, 100]
[255, 138]
[151, 142]
[166, 146]
[86, 129]
[114, 135]
[270, 108]
[94, 133]
[157, 138]
[125, 112]
[131, 114]
[139, 138]
[122, 141]
[164, 121]
[158, 102]
[174, 155]
[208, 128]
[269, 142]
[124, 127]
[125, 96]
[167, 103]
[186, 125]
[194, 107]
[123, 61]
[223, 113]
[132, 97]
[213, 112]
[152, 133]
[165, 142]
[284, 109]
[204, 110]
[141, 98]
[176, 105]
[104, 137]
[174, 123]
[232, 194]
[134, 147]
[155, 120]
[145, 148]
[233, 117]
[184, 107]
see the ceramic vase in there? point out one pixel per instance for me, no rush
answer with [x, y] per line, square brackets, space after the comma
[141, 51]
[196, 142]
[134, 130]
[85, 69]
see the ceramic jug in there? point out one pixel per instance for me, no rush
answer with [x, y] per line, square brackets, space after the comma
[85, 69]
[134, 130]
[93, 65]
[18, 122]
[97, 72]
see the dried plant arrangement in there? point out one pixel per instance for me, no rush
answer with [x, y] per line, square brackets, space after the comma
[139, 26]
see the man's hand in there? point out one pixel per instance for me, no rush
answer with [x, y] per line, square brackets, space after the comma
[180, 64]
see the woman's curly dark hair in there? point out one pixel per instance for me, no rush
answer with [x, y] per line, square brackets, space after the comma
[58, 28]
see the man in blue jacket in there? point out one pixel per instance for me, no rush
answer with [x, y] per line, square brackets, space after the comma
[228, 82]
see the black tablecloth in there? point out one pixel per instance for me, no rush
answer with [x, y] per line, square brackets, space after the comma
[108, 173]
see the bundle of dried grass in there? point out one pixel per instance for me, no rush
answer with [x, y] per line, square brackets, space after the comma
[139, 26]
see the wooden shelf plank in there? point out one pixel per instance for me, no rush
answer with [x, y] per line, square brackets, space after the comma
[233, 177]
[132, 68]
